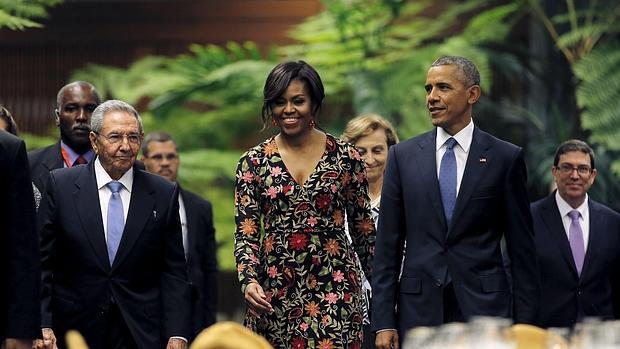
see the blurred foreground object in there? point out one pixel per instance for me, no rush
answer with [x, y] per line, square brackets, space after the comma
[228, 335]
[529, 336]
[75, 340]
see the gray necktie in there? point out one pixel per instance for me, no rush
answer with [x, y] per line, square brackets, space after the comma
[116, 220]
[575, 237]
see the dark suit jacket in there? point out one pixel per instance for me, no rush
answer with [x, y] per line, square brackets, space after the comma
[148, 280]
[566, 295]
[201, 258]
[19, 251]
[492, 202]
[42, 161]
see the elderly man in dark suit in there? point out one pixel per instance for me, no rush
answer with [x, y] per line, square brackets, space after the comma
[577, 242]
[112, 255]
[160, 156]
[75, 103]
[19, 251]
[451, 194]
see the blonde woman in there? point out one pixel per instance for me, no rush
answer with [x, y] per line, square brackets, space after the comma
[372, 135]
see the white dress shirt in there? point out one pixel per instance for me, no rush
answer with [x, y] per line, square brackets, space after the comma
[584, 219]
[461, 149]
[183, 218]
[103, 178]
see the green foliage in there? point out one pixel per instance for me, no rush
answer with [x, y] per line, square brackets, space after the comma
[35, 142]
[211, 174]
[598, 94]
[24, 14]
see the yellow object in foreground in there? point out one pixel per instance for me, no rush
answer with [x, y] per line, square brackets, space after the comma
[75, 340]
[229, 335]
[532, 337]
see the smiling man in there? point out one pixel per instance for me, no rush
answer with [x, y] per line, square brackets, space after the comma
[451, 194]
[75, 103]
[111, 250]
[578, 244]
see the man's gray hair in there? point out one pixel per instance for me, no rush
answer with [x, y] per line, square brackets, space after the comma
[96, 119]
[156, 136]
[469, 73]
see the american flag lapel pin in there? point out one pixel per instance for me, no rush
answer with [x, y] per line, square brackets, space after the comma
[482, 160]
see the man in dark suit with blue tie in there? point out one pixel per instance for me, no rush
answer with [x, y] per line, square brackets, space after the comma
[160, 156]
[578, 244]
[112, 259]
[452, 194]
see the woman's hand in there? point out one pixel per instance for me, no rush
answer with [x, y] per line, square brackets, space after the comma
[256, 299]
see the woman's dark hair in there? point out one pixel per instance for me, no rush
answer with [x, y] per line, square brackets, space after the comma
[282, 75]
[11, 126]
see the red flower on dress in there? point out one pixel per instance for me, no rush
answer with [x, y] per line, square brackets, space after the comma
[338, 276]
[298, 241]
[298, 343]
[323, 201]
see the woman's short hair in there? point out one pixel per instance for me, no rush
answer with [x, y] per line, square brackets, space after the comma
[279, 79]
[366, 124]
[11, 126]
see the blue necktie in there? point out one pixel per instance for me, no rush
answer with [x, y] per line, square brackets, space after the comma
[116, 221]
[447, 179]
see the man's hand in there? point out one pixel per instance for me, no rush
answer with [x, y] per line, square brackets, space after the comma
[256, 299]
[176, 343]
[387, 339]
[14, 343]
[48, 341]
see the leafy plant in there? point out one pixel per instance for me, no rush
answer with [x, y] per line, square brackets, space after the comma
[24, 14]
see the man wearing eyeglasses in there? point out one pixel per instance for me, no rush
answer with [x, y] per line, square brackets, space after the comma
[577, 242]
[112, 257]
[160, 156]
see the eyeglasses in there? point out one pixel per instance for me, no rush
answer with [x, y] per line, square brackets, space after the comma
[115, 138]
[583, 170]
[161, 157]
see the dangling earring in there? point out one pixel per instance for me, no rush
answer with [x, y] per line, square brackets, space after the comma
[312, 124]
[273, 122]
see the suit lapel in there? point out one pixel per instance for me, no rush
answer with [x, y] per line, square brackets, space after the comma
[55, 160]
[190, 216]
[86, 201]
[474, 170]
[141, 207]
[595, 240]
[428, 168]
[553, 222]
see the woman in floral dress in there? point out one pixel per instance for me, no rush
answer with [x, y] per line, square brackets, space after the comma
[298, 271]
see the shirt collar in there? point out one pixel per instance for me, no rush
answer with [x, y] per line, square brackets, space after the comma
[73, 155]
[463, 137]
[103, 178]
[565, 208]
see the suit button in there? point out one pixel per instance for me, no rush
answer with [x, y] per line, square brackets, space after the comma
[438, 282]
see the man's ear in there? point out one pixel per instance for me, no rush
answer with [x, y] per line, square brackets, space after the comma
[474, 94]
[57, 117]
[93, 137]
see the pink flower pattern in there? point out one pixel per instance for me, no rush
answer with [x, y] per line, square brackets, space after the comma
[304, 261]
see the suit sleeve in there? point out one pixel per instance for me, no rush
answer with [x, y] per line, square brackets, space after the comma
[23, 283]
[389, 248]
[520, 244]
[47, 227]
[175, 290]
[209, 264]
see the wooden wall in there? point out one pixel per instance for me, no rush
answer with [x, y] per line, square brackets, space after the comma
[35, 63]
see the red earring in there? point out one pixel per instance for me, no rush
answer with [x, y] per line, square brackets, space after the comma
[312, 124]
[273, 122]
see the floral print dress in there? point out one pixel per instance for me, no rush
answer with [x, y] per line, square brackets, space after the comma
[303, 259]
